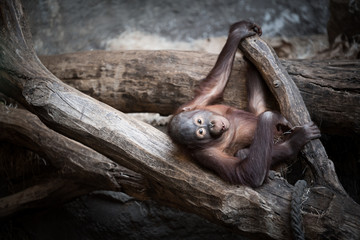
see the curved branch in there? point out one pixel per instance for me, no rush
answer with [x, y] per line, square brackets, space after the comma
[292, 106]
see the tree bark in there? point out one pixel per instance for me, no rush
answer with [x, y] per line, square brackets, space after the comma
[292, 107]
[160, 81]
[172, 178]
[77, 165]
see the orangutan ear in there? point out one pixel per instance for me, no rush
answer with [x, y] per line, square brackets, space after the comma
[184, 109]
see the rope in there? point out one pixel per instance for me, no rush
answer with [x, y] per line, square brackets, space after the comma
[295, 214]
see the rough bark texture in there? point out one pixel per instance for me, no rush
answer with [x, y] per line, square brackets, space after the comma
[160, 81]
[291, 105]
[171, 178]
[76, 165]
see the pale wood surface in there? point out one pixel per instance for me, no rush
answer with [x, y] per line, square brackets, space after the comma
[160, 81]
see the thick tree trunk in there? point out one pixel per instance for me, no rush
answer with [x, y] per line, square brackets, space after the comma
[171, 177]
[160, 81]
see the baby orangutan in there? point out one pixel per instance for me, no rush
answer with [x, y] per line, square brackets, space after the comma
[238, 145]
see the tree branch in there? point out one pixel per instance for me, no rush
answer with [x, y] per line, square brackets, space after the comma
[172, 178]
[292, 107]
[160, 81]
[76, 164]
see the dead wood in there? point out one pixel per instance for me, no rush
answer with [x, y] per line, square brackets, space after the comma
[160, 81]
[76, 165]
[172, 178]
[292, 107]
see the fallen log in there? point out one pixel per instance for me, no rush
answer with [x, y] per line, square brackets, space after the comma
[172, 178]
[160, 81]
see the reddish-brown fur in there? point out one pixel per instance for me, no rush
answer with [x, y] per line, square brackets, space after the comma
[241, 149]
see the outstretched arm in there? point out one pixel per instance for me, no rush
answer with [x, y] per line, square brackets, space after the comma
[212, 87]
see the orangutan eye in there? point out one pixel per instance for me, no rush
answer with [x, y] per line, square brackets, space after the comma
[199, 121]
[200, 133]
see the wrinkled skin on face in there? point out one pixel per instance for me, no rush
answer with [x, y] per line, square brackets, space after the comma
[197, 127]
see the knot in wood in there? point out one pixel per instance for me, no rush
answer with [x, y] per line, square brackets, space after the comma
[277, 83]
